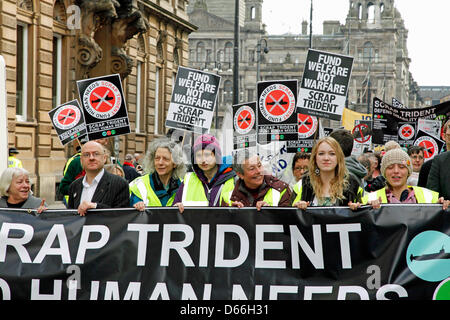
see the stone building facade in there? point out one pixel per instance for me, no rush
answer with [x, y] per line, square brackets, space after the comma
[374, 34]
[40, 42]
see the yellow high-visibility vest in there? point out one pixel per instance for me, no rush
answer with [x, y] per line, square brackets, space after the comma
[142, 188]
[194, 193]
[423, 195]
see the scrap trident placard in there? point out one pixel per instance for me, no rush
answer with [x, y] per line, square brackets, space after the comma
[323, 89]
[68, 121]
[104, 106]
[193, 100]
[276, 106]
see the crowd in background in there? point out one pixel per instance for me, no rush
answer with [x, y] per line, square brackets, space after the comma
[328, 176]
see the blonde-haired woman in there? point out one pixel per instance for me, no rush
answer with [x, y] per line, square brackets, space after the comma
[327, 182]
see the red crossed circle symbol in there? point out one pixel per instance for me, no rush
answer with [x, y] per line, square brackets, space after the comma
[360, 128]
[429, 149]
[102, 99]
[244, 119]
[406, 132]
[67, 116]
[305, 123]
[277, 102]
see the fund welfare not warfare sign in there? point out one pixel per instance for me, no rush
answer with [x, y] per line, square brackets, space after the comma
[396, 252]
[324, 86]
[193, 100]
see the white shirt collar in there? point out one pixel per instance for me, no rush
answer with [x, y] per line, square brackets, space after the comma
[95, 181]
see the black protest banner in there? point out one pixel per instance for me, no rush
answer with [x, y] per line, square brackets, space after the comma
[323, 89]
[68, 121]
[276, 111]
[386, 118]
[431, 145]
[193, 100]
[244, 125]
[396, 252]
[397, 104]
[104, 106]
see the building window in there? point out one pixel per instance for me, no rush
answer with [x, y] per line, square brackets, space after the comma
[220, 56]
[252, 13]
[251, 56]
[201, 54]
[250, 95]
[368, 52]
[371, 12]
[228, 91]
[56, 70]
[157, 102]
[229, 52]
[22, 71]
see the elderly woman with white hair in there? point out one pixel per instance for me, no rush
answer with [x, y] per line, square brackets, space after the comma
[15, 191]
[164, 168]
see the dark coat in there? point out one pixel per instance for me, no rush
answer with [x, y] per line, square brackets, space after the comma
[112, 192]
[130, 172]
[241, 194]
[439, 177]
[31, 203]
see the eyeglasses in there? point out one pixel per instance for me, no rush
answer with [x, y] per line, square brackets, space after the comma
[95, 154]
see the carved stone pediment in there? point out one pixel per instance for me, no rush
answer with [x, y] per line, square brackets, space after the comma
[123, 18]
[209, 22]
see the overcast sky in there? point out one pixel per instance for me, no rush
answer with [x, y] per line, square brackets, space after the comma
[428, 24]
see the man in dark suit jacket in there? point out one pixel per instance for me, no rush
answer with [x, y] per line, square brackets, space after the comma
[98, 189]
[439, 178]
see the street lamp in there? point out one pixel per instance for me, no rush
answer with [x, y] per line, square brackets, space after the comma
[258, 56]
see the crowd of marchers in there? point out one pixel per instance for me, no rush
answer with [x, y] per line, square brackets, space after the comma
[329, 176]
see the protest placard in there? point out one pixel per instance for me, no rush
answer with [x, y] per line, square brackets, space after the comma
[432, 127]
[323, 89]
[244, 125]
[104, 106]
[68, 121]
[406, 133]
[431, 145]
[193, 100]
[362, 136]
[308, 133]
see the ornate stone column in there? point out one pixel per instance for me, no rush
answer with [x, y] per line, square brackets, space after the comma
[106, 26]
